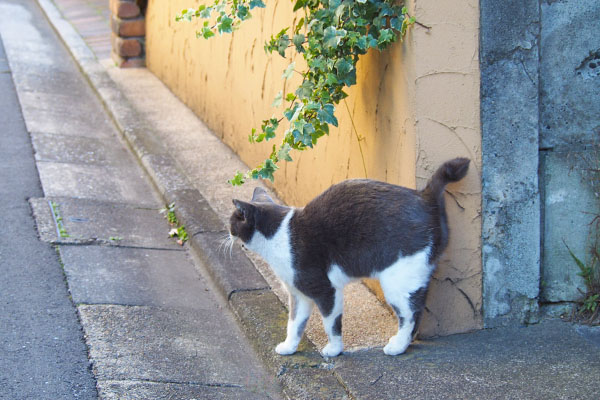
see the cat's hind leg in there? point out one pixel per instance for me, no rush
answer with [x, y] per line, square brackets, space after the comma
[408, 311]
[331, 304]
[404, 287]
[300, 308]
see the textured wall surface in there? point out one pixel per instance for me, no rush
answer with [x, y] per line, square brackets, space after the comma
[569, 140]
[509, 120]
[415, 106]
[540, 113]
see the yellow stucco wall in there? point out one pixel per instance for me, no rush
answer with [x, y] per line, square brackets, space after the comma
[414, 107]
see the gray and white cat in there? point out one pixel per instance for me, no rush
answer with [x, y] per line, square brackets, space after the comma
[357, 228]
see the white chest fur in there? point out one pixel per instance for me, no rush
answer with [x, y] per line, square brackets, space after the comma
[276, 250]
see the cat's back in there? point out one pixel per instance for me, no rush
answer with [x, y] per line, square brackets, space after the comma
[366, 194]
[365, 205]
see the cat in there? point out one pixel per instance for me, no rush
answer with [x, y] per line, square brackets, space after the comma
[357, 228]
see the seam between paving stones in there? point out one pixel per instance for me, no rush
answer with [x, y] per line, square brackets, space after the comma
[143, 142]
[173, 382]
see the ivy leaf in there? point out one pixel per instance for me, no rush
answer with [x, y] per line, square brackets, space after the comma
[346, 73]
[299, 25]
[299, 4]
[305, 90]
[371, 40]
[308, 130]
[266, 172]
[282, 44]
[292, 113]
[298, 41]
[339, 11]
[284, 152]
[290, 97]
[312, 106]
[325, 115]
[256, 3]
[269, 127]
[278, 99]
[242, 12]
[225, 25]
[332, 37]
[317, 64]
[206, 33]
[237, 180]
[303, 133]
[334, 4]
[331, 79]
[288, 71]
[205, 13]
[386, 36]
[362, 44]
[386, 10]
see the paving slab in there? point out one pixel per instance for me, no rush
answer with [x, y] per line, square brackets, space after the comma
[126, 390]
[150, 344]
[91, 221]
[77, 149]
[129, 276]
[305, 374]
[56, 112]
[549, 360]
[107, 183]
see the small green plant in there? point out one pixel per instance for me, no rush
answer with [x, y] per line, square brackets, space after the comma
[590, 272]
[178, 230]
[169, 213]
[58, 220]
[589, 269]
[331, 36]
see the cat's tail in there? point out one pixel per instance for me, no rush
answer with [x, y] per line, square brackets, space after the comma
[451, 171]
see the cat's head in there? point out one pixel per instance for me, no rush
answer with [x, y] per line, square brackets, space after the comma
[261, 215]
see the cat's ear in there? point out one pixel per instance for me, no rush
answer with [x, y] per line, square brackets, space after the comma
[246, 209]
[260, 195]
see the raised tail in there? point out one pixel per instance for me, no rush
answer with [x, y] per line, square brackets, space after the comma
[451, 171]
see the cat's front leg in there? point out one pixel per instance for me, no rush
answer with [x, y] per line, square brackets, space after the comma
[300, 309]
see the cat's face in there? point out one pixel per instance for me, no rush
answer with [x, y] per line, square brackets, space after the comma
[248, 216]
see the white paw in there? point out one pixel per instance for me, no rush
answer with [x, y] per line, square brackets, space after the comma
[332, 349]
[396, 345]
[285, 349]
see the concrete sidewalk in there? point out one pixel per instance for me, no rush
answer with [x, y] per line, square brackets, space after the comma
[551, 360]
[153, 324]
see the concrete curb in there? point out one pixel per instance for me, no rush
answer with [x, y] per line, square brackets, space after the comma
[259, 311]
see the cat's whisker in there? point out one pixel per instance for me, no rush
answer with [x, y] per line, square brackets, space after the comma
[223, 243]
[231, 243]
[226, 244]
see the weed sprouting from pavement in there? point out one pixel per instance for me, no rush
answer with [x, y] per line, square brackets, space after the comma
[177, 230]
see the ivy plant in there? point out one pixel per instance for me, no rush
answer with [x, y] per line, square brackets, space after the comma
[331, 36]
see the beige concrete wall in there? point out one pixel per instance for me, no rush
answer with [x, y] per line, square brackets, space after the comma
[415, 106]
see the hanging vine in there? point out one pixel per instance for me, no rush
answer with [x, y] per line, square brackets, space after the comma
[331, 36]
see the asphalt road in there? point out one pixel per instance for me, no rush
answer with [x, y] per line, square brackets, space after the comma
[42, 350]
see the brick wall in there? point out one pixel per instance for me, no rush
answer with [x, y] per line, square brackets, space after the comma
[128, 26]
